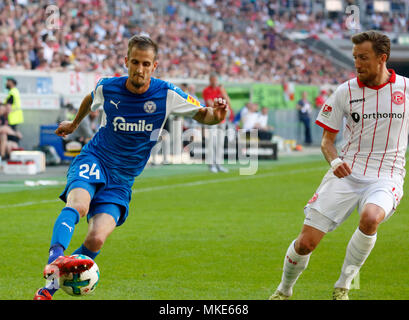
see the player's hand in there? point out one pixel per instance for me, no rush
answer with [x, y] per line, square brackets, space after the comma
[219, 109]
[343, 170]
[65, 128]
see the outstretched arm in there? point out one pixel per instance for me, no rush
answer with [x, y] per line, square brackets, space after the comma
[67, 127]
[212, 115]
[340, 168]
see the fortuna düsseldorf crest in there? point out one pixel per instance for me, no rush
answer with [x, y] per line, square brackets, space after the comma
[398, 97]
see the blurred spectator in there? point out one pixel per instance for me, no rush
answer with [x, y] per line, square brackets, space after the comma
[216, 133]
[184, 87]
[320, 99]
[265, 131]
[171, 8]
[13, 104]
[304, 116]
[238, 118]
[86, 129]
[50, 46]
[255, 119]
[93, 30]
[213, 91]
[251, 117]
[9, 138]
[191, 89]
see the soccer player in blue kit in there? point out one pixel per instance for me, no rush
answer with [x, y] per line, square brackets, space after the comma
[100, 178]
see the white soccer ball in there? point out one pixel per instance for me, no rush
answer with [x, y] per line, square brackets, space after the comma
[80, 284]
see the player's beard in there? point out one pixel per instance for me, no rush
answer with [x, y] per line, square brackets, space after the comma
[367, 78]
[370, 74]
[138, 84]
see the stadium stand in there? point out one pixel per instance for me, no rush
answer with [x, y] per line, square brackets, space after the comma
[90, 37]
[58, 58]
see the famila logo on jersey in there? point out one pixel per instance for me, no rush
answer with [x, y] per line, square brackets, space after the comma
[120, 124]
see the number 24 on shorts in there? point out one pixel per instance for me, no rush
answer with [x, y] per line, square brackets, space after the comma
[88, 172]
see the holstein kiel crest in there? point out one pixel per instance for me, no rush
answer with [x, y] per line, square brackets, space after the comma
[149, 107]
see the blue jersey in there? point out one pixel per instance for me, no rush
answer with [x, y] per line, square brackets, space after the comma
[131, 123]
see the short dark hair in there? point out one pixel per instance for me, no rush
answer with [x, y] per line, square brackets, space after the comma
[381, 43]
[142, 43]
[69, 106]
[12, 80]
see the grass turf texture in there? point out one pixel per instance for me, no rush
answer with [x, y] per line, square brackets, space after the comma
[195, 235]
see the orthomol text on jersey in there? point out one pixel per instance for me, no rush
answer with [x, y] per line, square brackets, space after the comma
[377, 115]
[120, 124]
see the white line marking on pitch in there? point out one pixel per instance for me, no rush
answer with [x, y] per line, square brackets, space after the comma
[186, 184]
[202, 182]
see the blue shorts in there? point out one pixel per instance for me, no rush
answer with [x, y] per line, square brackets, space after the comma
[110, 190]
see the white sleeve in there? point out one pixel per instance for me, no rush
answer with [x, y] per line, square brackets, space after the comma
[331, 114]
[98, 95]
[98, 98]
[180, 103]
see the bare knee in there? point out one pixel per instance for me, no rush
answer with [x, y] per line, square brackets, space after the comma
[305, 245]
[79, 199]
[370, 220]
[81, 207]
[94, 241]
[99, 228]
[308, 240]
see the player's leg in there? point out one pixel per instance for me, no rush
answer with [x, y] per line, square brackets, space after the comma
[370, 219]
[102, 221]
[376, 205]
[359, 247]
[332, 203]
[11, 145]
[77, 206]
[84, 176]
[298, 253]
[326, 210]
[220, 140]
[308, 139]
[211, 147]
[3, 142]
[100, 227]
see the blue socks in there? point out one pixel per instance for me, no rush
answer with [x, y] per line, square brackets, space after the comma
[85, 251]
[61, 238]
[64, 227]
[55, 251]
[62, 233]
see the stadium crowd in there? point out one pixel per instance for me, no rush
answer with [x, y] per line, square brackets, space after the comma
[298, 15]
[91, 35]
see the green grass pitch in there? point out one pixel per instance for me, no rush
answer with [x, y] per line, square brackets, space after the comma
[195, 235]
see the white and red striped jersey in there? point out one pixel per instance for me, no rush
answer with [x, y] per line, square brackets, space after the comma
[376, 126]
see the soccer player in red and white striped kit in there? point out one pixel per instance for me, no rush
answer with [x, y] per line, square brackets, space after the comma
[367, 173]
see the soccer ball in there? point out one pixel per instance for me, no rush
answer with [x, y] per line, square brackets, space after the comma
[80, 284]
